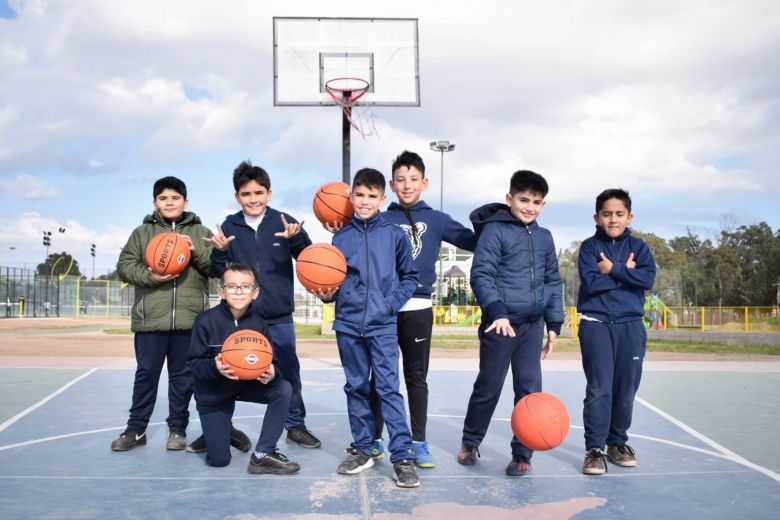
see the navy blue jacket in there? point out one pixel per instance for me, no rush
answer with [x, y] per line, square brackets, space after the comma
[433, 227]
[380, 276]
[270, 256]
[514, 273]
[620, 295]
[209, 332]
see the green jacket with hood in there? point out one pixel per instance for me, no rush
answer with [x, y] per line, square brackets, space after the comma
[172, 305]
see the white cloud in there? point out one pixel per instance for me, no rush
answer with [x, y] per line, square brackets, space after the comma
[677, 102]
[27, 187]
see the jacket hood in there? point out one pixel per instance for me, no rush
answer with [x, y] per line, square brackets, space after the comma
[494, 212]
[187, 218]
[420, 205]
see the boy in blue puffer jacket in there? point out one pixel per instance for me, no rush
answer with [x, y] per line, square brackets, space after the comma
[615, 271]
[380, 279]
[514, 275]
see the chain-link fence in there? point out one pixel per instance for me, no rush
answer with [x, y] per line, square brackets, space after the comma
[26, 293]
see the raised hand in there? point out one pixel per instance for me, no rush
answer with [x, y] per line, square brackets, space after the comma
[219, 241]
[290, 230]
[333, 227]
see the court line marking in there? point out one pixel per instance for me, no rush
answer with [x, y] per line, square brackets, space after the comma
[722, 451]
[727, 453]
[632, 474]
[45, 400]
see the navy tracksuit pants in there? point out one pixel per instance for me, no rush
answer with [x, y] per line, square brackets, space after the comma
[151, 351]
[612, 356]
[216, 423]
[283, 342]
[414, 338]
[360, 356]
[496, 354]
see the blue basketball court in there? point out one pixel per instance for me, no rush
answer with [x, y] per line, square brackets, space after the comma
[58, 423]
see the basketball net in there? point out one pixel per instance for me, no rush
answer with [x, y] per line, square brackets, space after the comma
[345, 92]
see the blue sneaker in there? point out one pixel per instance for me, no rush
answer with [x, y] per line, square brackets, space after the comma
[377, 450]
[424, 458]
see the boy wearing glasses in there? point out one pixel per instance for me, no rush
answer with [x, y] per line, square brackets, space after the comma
[217, 388]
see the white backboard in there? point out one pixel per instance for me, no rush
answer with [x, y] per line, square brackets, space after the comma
[310, 51]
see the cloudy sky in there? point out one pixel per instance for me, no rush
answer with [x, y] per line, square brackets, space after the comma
[674, 101]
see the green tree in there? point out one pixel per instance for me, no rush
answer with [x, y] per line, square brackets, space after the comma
[61, 263]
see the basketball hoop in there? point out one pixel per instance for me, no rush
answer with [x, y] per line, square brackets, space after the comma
[345, 92]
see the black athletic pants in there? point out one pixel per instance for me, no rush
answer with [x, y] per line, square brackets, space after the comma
[414, 338]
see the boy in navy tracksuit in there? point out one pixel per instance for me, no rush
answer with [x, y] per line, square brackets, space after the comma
[217, 388]
[268, 240]
[380, 279]
[426, 229]
[515, 278]
[615, 271]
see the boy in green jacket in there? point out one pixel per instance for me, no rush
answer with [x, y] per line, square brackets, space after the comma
[164, 308]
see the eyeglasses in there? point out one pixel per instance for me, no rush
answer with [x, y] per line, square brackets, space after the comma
[232, 288]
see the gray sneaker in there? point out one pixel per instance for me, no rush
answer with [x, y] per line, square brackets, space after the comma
[595, 463]
[355, 462]
[405, 475]
[273, 463]
[177, 439]
[621, 455]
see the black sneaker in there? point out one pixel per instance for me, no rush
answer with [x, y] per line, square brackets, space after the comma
[518, 466]
[273, 463]
[197, 446]
[622, 455]
[128, 440]
[405, 475]
[177, 439]
[355, 462]
[468, 455]
[238, 440]
[303, 437]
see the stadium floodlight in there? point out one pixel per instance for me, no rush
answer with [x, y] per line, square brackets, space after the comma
[441, 147]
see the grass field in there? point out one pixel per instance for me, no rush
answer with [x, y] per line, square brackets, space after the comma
[466, 342]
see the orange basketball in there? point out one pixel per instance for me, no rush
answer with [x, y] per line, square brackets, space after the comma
[331, 203]
[248, 353]
[168, 253]
[540, 421]
[321, 266]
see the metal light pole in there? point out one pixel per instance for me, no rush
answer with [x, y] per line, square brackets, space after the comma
[47, 244]
[92, 252]
[441, 147]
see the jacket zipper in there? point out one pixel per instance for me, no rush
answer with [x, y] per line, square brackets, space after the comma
[611, 298]
[533, 271]
[173, 313]
[368, 283]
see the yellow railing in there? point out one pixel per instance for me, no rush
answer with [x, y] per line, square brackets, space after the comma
[725, 319]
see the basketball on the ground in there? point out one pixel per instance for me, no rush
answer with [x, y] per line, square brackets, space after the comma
[540, 421]
[248, 353]
[168, 253]
[321, 266]
[331, 203]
